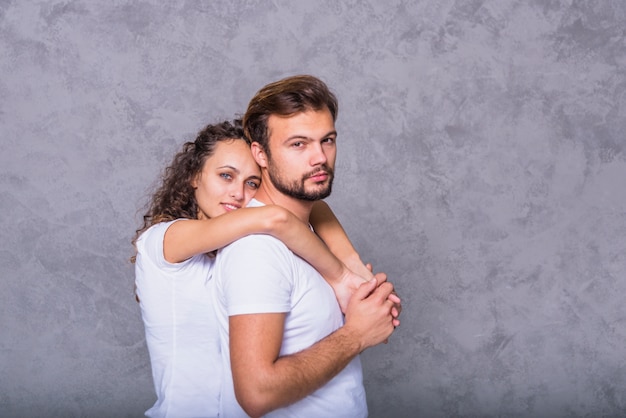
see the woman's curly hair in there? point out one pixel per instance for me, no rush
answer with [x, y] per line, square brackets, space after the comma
[175, 198]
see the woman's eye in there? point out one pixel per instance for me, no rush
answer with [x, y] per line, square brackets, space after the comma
[226, 176]
[253, 185]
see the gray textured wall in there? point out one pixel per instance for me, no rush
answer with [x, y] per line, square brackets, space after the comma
[482, 165]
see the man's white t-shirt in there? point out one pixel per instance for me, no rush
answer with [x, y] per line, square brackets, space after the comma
[181, 332]
[259, 274]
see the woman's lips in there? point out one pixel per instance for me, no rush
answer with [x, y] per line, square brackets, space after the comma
[231, 206]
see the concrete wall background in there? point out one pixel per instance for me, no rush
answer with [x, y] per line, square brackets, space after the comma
[481, 164]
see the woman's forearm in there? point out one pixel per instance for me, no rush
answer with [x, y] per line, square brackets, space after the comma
[185, 239]
[327, 226]
[300, 239]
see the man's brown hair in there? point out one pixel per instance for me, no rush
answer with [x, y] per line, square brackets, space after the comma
[284, 98]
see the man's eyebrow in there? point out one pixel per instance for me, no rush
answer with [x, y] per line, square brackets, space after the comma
[331, 133]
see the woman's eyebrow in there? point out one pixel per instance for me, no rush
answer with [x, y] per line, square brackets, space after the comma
[229, 166]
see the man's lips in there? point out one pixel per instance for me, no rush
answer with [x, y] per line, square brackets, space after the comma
[319, 176]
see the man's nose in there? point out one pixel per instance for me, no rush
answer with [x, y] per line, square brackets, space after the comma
[318, 155]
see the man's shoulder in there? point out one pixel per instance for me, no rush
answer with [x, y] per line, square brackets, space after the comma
[255, 240]
[254, 247]
[260, 256]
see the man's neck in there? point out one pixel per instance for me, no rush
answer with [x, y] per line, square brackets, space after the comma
[270, 196]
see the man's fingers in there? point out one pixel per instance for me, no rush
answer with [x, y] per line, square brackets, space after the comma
[381, 277]
[394, 298]
[365, 289]
[382, 292]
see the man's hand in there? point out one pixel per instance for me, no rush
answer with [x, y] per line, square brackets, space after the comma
[368, 313]
[397, 303]
[351, 281]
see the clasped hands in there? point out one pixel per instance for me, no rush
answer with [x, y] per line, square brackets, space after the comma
[370, 302]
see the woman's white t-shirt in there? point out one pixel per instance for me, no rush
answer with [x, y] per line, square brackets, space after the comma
[181, 330]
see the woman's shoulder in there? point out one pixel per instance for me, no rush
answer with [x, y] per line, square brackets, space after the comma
[156, 231]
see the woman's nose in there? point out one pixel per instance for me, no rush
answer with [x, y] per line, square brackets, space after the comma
[237, 192]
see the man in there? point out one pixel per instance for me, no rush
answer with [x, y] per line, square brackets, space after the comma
[285, 346]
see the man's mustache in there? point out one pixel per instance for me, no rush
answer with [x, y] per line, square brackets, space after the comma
[323, 169]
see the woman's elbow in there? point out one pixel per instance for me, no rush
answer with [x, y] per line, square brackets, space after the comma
[277, 219]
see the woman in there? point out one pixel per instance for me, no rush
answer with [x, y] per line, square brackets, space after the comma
[199, 208]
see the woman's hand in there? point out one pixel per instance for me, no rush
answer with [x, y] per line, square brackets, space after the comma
[346, 286]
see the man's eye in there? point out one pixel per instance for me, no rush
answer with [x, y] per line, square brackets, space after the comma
[329, 140]
[297, 144]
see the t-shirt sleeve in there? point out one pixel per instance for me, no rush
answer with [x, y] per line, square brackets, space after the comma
[256, 275]
[150, 247]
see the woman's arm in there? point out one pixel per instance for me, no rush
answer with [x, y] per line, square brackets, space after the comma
[191, 237]
[187, 238]
[327, 226]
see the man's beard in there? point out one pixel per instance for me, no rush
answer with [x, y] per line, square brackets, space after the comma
[296, 188]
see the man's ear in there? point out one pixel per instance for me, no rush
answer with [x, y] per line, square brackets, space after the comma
[259, 154]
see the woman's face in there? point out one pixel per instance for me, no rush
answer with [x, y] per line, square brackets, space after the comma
[229, 179]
